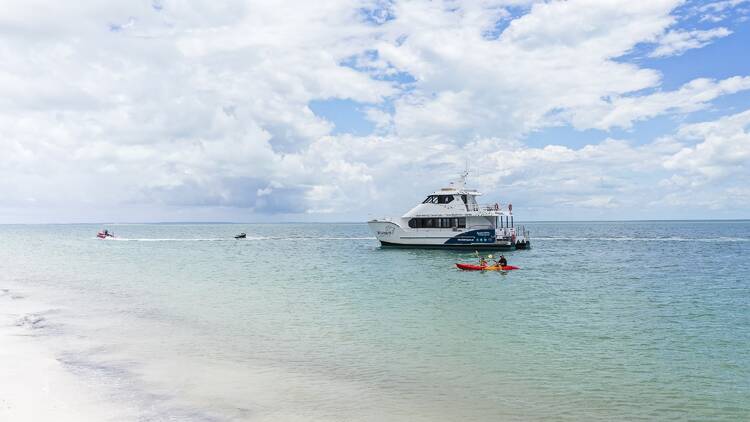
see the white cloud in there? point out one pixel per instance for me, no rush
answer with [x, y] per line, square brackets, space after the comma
[549, 65]
[676, 42]
[138, 104]
[189, 109]
[612, 179]
[717, 11]
[723, 149]
[623, 111]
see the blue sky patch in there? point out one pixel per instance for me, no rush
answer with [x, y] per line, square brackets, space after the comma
[347, 116]
[379, 14]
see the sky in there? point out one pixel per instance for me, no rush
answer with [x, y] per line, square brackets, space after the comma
[260, 111]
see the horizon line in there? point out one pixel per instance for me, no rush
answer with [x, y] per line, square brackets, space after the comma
[365, 222]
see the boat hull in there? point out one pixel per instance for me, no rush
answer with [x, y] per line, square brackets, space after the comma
[391, 234]
[477, 246]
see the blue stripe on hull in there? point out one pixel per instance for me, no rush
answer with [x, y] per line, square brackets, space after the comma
[447, 246]
[473, 237]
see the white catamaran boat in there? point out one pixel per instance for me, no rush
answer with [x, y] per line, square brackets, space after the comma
[452, 218]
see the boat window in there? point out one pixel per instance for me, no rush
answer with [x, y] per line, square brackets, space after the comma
[432, 199]
[445, 199]
[437, 223]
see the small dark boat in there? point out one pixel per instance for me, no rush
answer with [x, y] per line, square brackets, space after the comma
[240, 236]
[523, 245]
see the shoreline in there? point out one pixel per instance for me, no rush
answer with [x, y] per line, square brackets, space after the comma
[34, 383]
[363, 221]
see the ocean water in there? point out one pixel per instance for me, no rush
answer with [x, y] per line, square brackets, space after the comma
[605, 321]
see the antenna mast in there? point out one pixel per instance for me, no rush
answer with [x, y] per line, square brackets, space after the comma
[464, 175]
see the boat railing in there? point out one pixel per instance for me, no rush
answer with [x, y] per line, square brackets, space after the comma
[519, 232]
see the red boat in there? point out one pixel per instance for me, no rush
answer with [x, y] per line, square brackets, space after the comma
[104, 235]
[471, 267]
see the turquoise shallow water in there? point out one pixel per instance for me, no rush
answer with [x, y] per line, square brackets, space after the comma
[636, 320]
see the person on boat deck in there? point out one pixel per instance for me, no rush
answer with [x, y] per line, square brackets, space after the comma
[106, 232]
[502, 261]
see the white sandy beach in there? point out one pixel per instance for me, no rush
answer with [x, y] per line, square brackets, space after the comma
[39, 383]
[34, 384]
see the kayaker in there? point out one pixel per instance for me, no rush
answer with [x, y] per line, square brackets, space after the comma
[482, 262]
[502, 261]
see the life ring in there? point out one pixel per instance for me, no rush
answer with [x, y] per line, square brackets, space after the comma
[497, 206]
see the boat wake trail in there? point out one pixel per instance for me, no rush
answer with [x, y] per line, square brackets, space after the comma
[229, 239]
[649, 239]
[125, 239]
